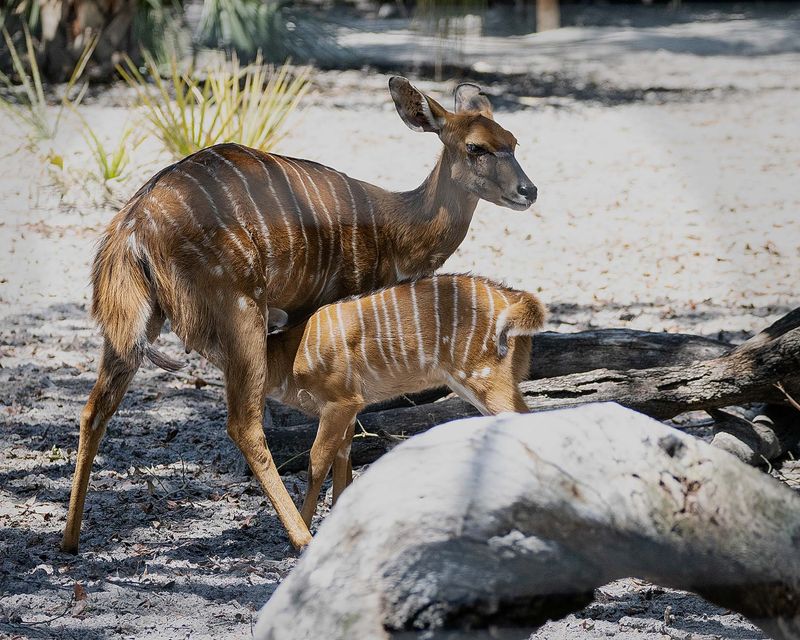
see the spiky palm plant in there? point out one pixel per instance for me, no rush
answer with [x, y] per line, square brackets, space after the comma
[230, 103]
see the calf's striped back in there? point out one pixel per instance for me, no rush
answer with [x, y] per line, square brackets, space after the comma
[456, 330]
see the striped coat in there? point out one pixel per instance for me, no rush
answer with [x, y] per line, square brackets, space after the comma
[231, 227]
[465, 332]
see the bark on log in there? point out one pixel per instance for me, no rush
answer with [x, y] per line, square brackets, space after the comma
[748, 373]
[498, 524]
[560, 354]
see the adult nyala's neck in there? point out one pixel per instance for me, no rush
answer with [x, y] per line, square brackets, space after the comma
[427, 224]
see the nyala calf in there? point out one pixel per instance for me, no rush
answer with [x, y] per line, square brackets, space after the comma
[470, 334]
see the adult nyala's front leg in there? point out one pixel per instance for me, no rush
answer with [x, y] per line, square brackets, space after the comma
[245, 375]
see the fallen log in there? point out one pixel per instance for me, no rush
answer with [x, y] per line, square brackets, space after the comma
[490, 527]
[560, 354]
[748, 373]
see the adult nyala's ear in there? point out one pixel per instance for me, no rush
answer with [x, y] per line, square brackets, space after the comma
[470, 98]
[418, 111]
[276, 319]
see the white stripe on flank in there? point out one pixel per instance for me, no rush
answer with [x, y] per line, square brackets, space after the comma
[220, 222]
[330, 328]
[490, 319]
[332, 252]
[354, 230]
[455, 319]
[344, 343]
[374, 234]
[435, 281]
[400, 333]
[235, 205]
[390, 337]
[207, 242]
[503, 296]
[307, 352]
[378, 330]
[339, 235]
[418, 327]
[299, 217]
[354, 234]
[317, 275]
[274, 193]
[474, 320]
[257, 212]
[149, 217]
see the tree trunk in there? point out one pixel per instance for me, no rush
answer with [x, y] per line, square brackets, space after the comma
[548, 15]
[495, 525]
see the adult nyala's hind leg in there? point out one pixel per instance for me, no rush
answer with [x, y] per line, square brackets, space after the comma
[113, 377]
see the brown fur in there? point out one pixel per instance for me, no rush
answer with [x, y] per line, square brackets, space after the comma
[215, 240]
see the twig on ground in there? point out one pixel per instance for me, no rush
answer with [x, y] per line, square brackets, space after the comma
[364, 433]
[789, 398]
[299, 455]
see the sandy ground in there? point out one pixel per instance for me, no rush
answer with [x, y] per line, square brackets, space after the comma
[669, 200]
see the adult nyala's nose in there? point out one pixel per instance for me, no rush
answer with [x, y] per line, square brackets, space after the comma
[528, 190]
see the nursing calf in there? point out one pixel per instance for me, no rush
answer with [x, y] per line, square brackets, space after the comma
[468, 333]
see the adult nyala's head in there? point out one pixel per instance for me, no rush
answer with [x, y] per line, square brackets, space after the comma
[481, 151]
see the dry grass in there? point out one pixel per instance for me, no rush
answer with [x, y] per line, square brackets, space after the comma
[224, 102]
[29, 105]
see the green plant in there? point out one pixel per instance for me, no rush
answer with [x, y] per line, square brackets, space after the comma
[241, 25]
[272, 27]
[30, 105]
[56, 454]
[159, 27]
[248, 105]
[112, 162]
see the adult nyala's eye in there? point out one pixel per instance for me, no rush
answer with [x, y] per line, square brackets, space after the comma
[475, 149]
